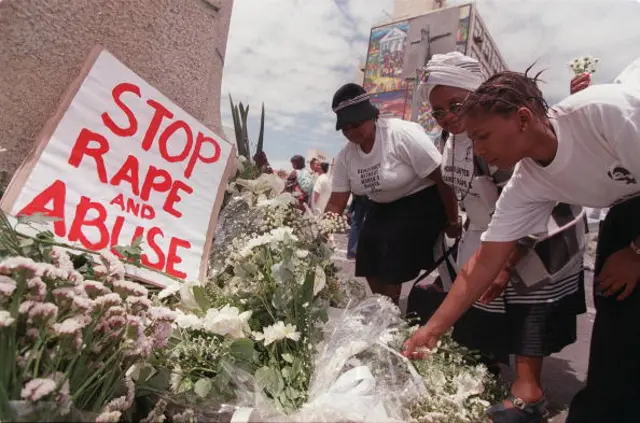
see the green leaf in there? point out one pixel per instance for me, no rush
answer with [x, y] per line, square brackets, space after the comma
[287, 357]
[36, 218]
[27, 242]
[270, 380]
[242, 349]
[160, 381]
[201, 298]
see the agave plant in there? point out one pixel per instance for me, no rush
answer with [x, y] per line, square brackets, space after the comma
[240, 114]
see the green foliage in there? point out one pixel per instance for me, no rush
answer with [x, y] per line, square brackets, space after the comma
[240, 114]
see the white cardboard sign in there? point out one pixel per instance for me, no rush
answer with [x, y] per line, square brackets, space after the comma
[119, 161]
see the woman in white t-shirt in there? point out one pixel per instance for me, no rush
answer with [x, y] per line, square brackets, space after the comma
[530, 325]
[396, 164]
[585, 150]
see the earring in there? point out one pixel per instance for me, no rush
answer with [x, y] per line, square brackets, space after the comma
[523, 128]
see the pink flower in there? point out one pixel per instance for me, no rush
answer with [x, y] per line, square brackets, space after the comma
[100, 270]
[162, 314]
[37, 289]
[124, 402]
[61, 259]
[113, 264]
[161, 334]
[36, 389]
[26, 306]
[11, 264]
[129, 288]
[72, 325]
[7, 286]
[52, 272]
[43, 312]
[138, 305]
[116, 311]
[108, 300]
[109, 417]
[83, 303]
[95, 288]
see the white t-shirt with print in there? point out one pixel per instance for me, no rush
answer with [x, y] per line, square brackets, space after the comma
[597, 163]
[322, 188]
[402, 157]
[478, 192]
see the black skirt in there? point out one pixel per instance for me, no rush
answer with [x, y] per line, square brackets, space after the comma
[532, 330]
[397, 239]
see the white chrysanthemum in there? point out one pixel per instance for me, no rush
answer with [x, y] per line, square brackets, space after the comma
[277, 332]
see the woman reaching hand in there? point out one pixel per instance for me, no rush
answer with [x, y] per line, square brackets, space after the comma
[585, 150]
[504, 321]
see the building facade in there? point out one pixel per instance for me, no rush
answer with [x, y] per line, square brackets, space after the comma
[178, 46]
[400, 48]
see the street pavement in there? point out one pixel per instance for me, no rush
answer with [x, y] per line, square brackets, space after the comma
[563, 373]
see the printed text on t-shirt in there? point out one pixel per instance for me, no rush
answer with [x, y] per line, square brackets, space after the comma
[370, 177]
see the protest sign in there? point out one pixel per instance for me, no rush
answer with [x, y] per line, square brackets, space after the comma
[119, 161]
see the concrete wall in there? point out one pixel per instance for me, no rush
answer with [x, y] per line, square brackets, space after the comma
[178, 46]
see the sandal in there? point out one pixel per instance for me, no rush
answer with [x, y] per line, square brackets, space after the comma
[521, 412]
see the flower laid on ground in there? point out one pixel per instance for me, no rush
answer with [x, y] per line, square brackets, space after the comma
[586, 64]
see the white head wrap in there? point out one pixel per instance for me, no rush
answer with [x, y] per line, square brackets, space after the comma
[453, 70]
[630, 74]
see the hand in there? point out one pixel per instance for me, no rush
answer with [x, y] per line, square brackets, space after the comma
[620, 270]
[454, 229]
[497, 287]
[580, 82]
[427, 336]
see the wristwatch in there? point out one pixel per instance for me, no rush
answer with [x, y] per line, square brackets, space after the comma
[634, 247]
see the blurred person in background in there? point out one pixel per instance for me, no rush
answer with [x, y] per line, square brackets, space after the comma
[321, 190]
[299, 182]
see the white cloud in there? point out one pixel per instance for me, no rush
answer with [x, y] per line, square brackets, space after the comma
[293, 54]
[552, 32]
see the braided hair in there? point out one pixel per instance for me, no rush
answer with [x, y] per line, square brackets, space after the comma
[506, 92]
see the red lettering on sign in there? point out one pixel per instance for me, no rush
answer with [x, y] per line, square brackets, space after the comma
[173, 257]
[160, 113]
[118, 201]
[56, 194]
[128, 173]
[164, 139]
[151, 237]
[81, 148]
[80, 221]
[200, 141]
[117, 91]
[174, 197]
[158, 180]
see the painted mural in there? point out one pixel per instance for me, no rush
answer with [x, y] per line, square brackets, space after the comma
[393, 103]
[383, 71]
[463, 29]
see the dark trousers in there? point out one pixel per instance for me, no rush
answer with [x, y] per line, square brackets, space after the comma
[612, 393]
[359, 207]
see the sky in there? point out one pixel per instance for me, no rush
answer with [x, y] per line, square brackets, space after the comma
[292, 55]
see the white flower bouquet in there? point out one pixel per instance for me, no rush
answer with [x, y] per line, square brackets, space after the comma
[586, 64]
